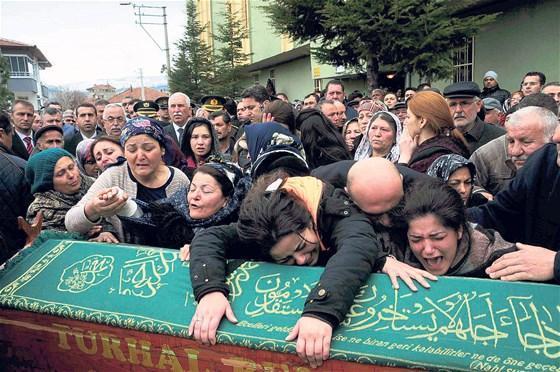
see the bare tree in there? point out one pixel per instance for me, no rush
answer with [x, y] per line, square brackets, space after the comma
[69, 99]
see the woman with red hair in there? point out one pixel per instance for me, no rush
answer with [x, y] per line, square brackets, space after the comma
[430, 132]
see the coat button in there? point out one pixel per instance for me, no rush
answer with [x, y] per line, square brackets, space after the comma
[196, 276]
[346, 202]
[322, 292]
[346, 213]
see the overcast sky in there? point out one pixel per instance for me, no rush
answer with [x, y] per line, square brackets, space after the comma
[92, 41]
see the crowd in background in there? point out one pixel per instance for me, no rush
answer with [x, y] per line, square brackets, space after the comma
[415, 183]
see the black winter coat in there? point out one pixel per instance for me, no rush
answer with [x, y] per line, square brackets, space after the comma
[15, 197]
[528, 210]
[351, 257]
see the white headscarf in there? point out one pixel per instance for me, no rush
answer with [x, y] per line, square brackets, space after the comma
[364, 148]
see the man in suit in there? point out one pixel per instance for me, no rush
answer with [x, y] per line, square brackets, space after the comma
[23, 114]
[86, 124]
[180, 112]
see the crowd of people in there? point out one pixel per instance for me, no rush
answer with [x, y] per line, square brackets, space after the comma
[461, 182]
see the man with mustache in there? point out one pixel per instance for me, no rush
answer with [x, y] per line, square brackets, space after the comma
[528, 129]
[180, 111]
[464, 103]
[114, 118]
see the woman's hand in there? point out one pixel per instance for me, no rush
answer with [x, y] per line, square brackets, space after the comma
[407, 145]
[105, 204]
[185, 252]
[396, 269]
[207, 317]
[105, 237]
[266, 117]
[313, 340]
[95, 230]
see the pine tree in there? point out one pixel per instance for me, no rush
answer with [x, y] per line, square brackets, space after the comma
[6, 96]
[230, 57]
[192, 71]
[403, 35]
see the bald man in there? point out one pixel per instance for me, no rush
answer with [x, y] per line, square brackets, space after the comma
[376, 185]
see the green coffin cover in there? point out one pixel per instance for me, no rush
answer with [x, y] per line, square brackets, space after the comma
[459, 324]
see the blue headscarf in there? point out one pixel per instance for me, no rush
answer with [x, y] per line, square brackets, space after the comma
[270, 142]
[143, 125]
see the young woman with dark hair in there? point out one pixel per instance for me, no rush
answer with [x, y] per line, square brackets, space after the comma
[292, 221]
[107, 150]
[199, 143]
[440, 240]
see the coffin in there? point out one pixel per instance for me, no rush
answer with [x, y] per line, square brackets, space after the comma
[75, 305]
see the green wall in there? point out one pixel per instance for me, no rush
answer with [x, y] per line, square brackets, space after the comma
[524, 39]
[264, 42]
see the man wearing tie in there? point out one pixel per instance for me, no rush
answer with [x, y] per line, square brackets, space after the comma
[180, 111]
[22, 116]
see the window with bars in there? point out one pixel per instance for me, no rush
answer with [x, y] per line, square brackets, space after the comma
[463, 62]
[20, 66]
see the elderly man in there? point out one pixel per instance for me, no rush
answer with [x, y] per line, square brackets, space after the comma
[114, 119]
[527, 130]
[526, 212]
[180, 112]
[492, 89]
[494, 113]
[375, 184]
[464, 103]
[49, 136]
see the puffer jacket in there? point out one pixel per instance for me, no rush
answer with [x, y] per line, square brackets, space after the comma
[351, 257]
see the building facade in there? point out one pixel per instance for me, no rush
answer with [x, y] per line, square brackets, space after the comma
[25, 62]
[101, 91]
[524, 37]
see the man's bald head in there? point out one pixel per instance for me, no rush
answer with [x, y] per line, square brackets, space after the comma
[375, 185]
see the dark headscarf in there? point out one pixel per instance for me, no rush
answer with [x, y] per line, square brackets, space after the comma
[167, 222]
[322, 142]
[272, 146]
[444, 166]
[153, 128]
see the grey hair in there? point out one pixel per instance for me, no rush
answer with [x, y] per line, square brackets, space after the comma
[181, 94]
[111, 105]
[547, 118]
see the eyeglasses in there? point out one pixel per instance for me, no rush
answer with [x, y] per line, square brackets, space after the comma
[118, 119]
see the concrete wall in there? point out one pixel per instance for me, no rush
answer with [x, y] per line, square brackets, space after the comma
[523, 39]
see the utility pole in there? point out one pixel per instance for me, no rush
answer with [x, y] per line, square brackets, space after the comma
[142, 85]
[138, 11]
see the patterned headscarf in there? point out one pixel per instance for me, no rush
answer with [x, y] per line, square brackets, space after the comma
[372, 105]
[444, 166]
[364, 148]
[143, 125]
[83, 154]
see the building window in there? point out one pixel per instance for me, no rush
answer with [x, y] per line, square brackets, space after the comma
[20, 66]
[463, 61]
[318, 85]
